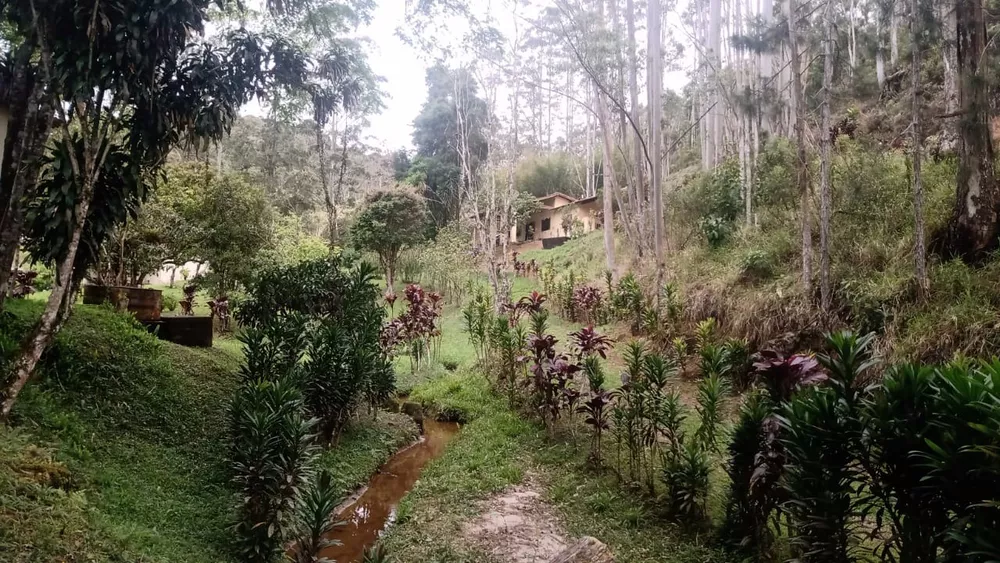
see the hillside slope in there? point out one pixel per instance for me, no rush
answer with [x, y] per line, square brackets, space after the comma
[117, 449]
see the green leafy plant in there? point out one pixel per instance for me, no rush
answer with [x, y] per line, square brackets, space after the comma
[819, 476]
[705, 333]
[687, 480]
[315, 522]
[751, 501]
[711, 397]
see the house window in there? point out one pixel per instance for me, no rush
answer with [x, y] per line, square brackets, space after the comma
[546, 224]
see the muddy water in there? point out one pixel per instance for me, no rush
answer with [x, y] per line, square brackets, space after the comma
[369, 515]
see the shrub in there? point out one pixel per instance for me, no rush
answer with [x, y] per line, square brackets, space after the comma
[313, 355]
[819, 476]
[170, 303]
[687, 480]
[751, 501]
[756, 265]
[711, 396]
[272, 457]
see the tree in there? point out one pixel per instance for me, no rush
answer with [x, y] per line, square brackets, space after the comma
[389, 223]
[826, 141]
[919, 247]
[453, 104]
[975, 225]
[799, 111]
[131, 79]
[655, 86]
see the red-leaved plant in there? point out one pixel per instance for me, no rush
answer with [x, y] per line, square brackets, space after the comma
[783, 376]
[416, 329]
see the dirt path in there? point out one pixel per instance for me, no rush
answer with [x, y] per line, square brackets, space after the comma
[517, 526]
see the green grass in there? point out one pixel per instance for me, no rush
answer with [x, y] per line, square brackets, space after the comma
[364, 446]
[117, 448]
[493, 451]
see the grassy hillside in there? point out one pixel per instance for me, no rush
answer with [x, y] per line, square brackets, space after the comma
[749, 278]
[117, 448]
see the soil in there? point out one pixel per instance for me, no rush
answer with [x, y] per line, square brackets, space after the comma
[517, 526]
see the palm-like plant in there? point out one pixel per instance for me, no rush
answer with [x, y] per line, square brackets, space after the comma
[687, 479]
[315, 522]
[819, 476]
[749, 506]
[271, 457]
[711, 397]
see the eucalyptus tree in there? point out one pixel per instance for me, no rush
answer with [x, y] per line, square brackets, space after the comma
[826, 142]
[128, 80]
[802, 166]
[974, 230]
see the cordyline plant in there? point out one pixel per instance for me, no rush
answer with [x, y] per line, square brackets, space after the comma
[595, 407]
[588, 342]
[587, 301]
[757, 457]
[416, 329]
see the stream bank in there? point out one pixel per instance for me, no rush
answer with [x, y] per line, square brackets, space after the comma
[495, 451]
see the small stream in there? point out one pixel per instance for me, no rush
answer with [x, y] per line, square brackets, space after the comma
[367, 516]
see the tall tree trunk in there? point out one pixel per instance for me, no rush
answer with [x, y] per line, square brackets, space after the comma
[338, 190]
[610, 180]
[324, 180]
[800, 142]
[654, 78]
[37, 341]
[767, 70]
[715, 59]
[973, 230]
[919, 247]
[948, 57]
[879, 48]
[633, 90]
[893, 35]
[27, 132]
[852, 45]
[825, 146]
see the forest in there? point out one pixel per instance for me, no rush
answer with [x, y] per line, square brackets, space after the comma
[615, 280]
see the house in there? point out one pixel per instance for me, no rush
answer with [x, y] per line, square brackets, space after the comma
[558, 218]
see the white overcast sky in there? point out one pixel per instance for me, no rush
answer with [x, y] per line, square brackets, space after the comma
[403, 68]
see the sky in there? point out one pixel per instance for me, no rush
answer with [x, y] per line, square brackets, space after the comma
[404, 72]
[403, 68]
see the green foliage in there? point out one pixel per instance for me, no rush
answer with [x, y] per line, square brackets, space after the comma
[705, 333]
[819, 476]
[436, 131]
[543, 175]
[712, 393]
[170, 303]
[716, 202]
[776, 175]
[687, 479]
[313, 354]
[319, 503]
[272, 457]
[390, 222]
[749, 505]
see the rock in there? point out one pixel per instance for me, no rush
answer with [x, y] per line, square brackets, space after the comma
[416, 412]
[586, 550]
